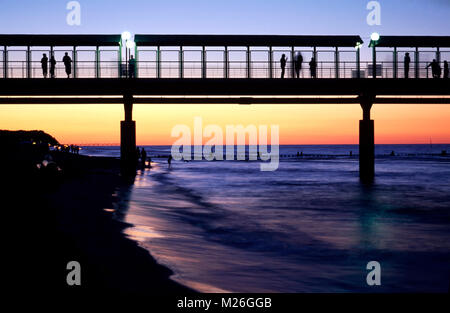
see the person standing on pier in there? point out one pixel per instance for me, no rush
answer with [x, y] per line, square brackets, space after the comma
[435, 69]
[44, 65]
[445, 69]
[313, 67]
[407, 61]
[132, 67]
[298, 64]
[68, 64]
[52, 66]
[143, 157]
[283, 62]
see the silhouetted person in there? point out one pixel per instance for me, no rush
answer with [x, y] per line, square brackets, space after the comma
[407, 62]
[298, 64]
[132, 67]
[445, 69]
[283, 62]
[143, 156]
[435, 69]
[169, 160]
[313, 68]
[138, 153]
[52, 66]
[44, 65]
[68, 64]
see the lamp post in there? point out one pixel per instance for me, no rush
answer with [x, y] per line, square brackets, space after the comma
[375, 37]
[126, 35]
[131, 45]
[358, 59]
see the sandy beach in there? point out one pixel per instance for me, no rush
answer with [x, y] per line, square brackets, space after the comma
[54, 217]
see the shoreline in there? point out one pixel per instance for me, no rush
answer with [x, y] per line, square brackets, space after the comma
[61, 217]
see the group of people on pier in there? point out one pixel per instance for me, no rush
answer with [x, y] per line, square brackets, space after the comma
[436, 70]
[297, 64]
[67, 60]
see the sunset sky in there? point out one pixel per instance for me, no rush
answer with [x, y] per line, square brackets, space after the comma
[299, 124]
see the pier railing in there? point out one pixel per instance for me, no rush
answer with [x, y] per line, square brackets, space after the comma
[214, 69]
[220, 56]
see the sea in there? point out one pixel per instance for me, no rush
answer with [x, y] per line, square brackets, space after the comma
[309, 226]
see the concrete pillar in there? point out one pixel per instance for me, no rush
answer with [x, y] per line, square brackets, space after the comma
[128, 136]
[366, 141]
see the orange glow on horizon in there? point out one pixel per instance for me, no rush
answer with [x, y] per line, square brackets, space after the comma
[299, 124]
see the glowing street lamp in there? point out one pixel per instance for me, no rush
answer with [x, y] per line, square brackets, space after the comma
[375, 37]
[126, 35]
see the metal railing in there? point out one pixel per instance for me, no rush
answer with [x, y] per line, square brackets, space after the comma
[215, 69]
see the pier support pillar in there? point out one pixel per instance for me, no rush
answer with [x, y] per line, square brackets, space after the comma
[128, 137]
[366, 141]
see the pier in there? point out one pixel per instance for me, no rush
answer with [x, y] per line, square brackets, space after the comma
[226, 69]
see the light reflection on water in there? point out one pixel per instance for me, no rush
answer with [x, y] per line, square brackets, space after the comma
[308, 227]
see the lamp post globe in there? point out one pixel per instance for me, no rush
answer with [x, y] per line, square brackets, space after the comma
[126, 35]
[375, 37]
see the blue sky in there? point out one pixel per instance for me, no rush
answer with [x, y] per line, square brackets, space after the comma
[399, 17]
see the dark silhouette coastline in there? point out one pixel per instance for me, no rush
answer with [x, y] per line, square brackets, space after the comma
[64, 212]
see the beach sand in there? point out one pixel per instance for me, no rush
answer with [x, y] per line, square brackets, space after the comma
[55, 217]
